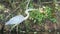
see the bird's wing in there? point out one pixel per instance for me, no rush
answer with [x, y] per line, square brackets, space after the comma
[15, 20]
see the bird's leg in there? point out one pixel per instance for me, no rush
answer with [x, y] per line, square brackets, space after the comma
[13, 26]
[17, 29]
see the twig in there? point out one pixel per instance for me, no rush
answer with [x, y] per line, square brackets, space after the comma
[27, 4]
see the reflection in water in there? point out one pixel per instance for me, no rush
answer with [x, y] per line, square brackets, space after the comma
[32, 33]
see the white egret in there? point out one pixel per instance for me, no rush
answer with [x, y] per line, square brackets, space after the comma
[18, 19]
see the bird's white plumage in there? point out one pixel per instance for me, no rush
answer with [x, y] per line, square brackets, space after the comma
[15, 20]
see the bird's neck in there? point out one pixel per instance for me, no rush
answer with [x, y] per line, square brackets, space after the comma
[27, 15]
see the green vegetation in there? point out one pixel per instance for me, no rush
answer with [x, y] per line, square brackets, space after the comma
[39, 17]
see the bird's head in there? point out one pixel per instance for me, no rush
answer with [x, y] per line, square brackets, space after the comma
[30, 10]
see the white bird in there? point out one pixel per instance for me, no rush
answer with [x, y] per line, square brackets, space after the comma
[18, 19]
